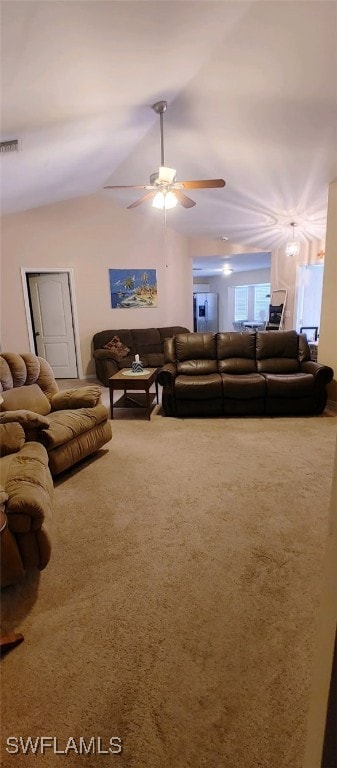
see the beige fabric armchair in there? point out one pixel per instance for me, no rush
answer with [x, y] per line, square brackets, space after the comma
[26, 494]
[71, 424]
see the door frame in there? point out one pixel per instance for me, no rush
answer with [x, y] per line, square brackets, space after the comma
[25, 271]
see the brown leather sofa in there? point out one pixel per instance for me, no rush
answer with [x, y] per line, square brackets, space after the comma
[71, 424]
[148, 343]
[239, 374]
[26, 494]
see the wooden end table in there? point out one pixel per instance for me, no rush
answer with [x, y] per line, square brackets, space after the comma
[142, 382]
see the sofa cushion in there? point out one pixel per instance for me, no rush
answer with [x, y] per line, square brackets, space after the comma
[236, 352]
[12, 438]
[83, 397]
[155, 359]
[199, 387]
[289, 386]
[81, 446]
[277, 352]
[146, 340]
[196, 353]
[65, 425]
[127, 361]
[243, 387]
[117, 348]
[30, 398]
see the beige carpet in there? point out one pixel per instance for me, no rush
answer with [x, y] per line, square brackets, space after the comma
[178, 610]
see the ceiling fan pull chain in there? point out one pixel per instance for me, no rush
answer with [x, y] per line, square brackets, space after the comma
[165, 239]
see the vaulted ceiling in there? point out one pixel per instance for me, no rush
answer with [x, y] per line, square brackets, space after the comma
[251, 90]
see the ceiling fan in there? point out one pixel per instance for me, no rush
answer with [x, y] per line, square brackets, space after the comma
[163, 189]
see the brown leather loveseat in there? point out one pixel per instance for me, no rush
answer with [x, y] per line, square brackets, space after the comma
[238, 374]
[148, 343]
[71, 424]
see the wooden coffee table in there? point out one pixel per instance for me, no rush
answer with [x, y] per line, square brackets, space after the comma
[142, 382]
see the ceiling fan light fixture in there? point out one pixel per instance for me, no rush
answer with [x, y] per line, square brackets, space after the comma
[227, 270]
[164, 200]
[164, 191]
[293, 246]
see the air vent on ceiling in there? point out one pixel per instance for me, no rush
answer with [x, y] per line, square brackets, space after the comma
[9, 146]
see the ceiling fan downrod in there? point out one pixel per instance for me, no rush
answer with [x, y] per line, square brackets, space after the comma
[160, 107]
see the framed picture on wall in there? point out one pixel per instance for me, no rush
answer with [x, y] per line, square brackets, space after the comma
[133, 288]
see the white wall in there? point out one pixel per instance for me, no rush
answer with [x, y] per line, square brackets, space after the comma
[327, 347]
[92, 235]
[222, 285]
[285, 274]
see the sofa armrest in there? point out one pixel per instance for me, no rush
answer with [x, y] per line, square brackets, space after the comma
[84, 397]
[167, 374]
[323, 374]
[105, 354]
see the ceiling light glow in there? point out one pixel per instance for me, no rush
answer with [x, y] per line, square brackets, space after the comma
[164, 200]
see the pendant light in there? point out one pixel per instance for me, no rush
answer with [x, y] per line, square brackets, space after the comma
[293, 246]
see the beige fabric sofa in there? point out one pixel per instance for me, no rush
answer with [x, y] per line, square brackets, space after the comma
[71, 424]
[26, 494]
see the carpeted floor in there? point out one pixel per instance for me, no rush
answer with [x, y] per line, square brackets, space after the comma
[178, 610]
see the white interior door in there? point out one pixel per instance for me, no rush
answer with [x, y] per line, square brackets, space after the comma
[53, 322]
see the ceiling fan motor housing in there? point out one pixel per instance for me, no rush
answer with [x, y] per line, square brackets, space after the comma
[160, 107]
[154, 179]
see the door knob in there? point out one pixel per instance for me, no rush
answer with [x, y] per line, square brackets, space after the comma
[36, 333]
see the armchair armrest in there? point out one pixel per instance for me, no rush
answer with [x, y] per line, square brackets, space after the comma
[12, 569]
[12, 438]
[84, 397]
[29, 487]
[27, 419]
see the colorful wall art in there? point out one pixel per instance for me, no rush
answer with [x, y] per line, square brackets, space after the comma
[133, 288]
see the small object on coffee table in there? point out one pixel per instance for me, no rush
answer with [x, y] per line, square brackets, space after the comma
[137, 365]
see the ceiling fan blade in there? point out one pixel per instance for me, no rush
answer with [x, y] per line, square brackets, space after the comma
[130, 186]
[183, 199]
[202, 184]
[142, 199]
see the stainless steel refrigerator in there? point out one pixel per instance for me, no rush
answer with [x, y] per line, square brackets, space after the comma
[205, 312]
